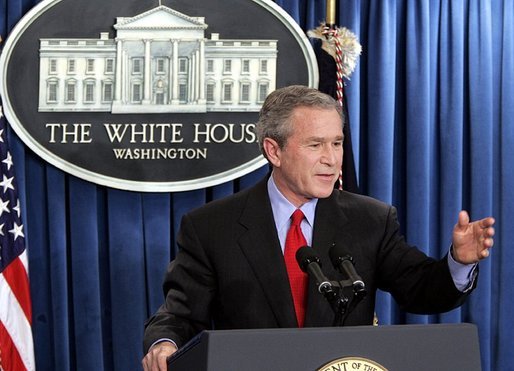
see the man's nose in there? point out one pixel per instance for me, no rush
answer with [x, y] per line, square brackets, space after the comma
[330, 155]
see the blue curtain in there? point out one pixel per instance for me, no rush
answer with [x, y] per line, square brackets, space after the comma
[432, 117]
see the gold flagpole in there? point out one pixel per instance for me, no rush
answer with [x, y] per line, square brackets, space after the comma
[330, 19]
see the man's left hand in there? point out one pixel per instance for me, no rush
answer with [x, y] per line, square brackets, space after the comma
[472, 240]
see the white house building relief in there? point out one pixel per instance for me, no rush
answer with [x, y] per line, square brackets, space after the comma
[160, 61]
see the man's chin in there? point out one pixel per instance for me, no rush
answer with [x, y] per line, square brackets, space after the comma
[325, 192]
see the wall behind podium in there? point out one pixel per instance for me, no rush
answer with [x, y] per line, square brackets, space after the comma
[432, 117]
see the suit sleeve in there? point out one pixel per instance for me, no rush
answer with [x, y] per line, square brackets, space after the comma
[418, 283]
[189, 288]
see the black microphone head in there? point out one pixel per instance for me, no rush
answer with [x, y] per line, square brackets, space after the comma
[306, 255]
[337, 254]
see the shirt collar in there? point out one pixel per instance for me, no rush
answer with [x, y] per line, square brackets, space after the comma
[283, 209]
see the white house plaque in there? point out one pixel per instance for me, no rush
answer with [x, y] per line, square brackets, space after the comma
[149, 95]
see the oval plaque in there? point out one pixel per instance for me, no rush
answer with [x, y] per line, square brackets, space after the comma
[149, 95]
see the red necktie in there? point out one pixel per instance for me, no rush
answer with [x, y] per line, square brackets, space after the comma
[297, 278]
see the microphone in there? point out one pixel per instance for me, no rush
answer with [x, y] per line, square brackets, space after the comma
[344, 263]
[309, 262]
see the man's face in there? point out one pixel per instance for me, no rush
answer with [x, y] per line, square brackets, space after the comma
[308, 165]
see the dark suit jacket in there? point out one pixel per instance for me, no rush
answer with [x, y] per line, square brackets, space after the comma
[230, 273]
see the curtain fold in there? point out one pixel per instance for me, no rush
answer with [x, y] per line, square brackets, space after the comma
[503, 276]
[449, 115]
[157, 241]
[418, 128]
[431, 106]
[84, 265]
[377, 104]
[60, 287]
[127, 275]
[480, 151]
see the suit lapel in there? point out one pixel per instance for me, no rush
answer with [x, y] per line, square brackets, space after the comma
[261, 246]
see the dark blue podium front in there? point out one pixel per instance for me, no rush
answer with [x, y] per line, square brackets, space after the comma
[397, 348]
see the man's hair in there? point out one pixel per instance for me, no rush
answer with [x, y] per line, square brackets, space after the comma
[275, 115]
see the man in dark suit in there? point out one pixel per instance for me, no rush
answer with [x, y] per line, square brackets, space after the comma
[230, 271]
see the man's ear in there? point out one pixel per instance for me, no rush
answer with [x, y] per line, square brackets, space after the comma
[273, 151]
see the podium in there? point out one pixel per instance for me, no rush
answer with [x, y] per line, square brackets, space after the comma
[394, 348]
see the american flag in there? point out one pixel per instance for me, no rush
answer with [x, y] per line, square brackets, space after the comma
[16, 344]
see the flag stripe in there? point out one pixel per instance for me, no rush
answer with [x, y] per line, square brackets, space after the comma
[17, 325]
[16, 277]
[10, 358]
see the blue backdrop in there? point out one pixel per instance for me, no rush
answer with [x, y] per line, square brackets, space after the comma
[432, 117]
